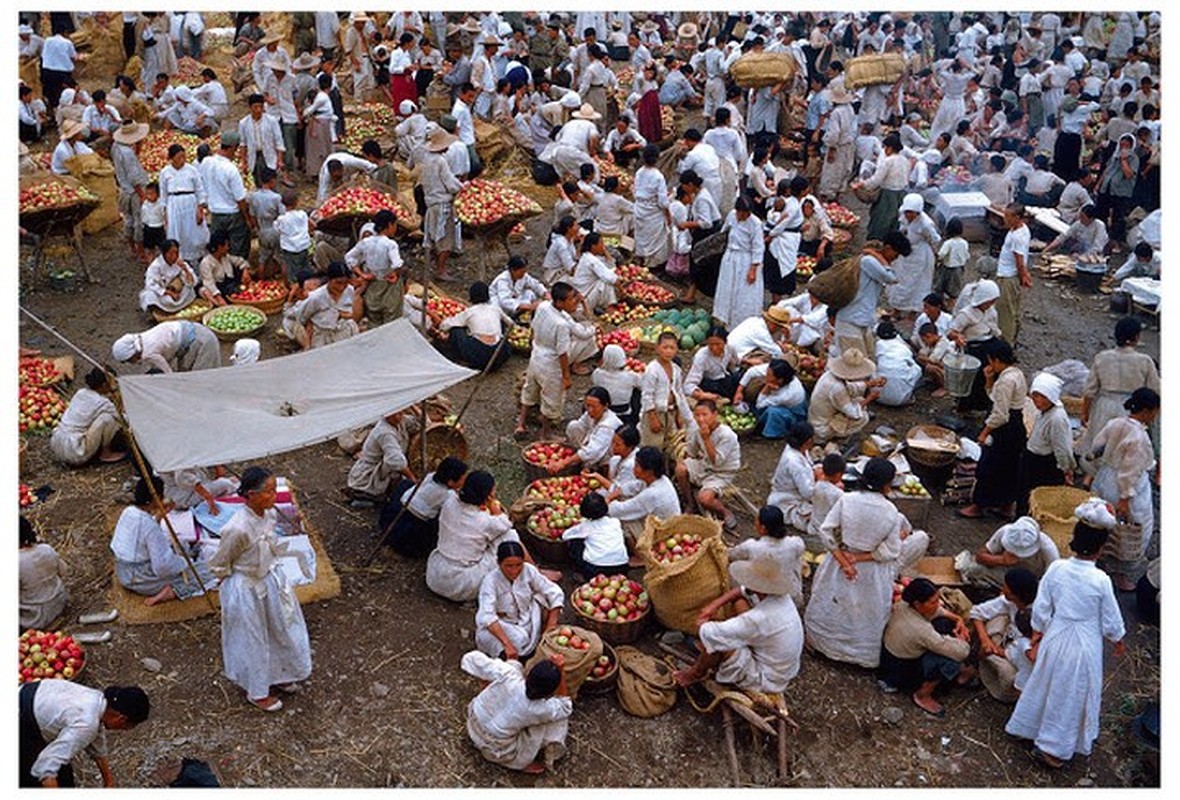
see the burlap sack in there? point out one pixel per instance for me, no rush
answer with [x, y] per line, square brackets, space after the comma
[492, 142]
[578, 663]
[838, 285]
[680, 589]
[757, 70]
[955, 601]
[106, 54]
[98, 175]
[645, 687]
[30, 74]
[877, 68]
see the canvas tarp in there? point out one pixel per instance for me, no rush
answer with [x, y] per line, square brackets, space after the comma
[236, 414]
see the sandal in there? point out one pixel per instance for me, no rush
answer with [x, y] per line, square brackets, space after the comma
[267, 704]
[535, 768]
[939, 714]
[975, 514]
[97, 617]
[1044, 759]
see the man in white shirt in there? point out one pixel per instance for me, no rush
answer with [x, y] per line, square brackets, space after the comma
[465, 122]
[102, 120]
[336, 166]
[1076, 195]
[226, 196]
[547, 378]
[377, 260]
[261, 142]
[515, 291]
[212, 94]
[279, 90]
[57, 63]
[188, 115]
[1012, 272]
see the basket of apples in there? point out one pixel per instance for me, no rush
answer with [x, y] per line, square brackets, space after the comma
[520, 339]
[622, 337]
[537, 457]
[633, 272]
[193, 312]
[604, 674]
[651, 295]
[841, 237]
[545, 528]
[561, 492]
[267, 296]
[489, 204]
[615, 607]
[805, 266]
[635, 365]
[808, 366]
[43, 655]
[40, 409]
[840, 216]
[580, 647]
[38, 371]
[624, 312]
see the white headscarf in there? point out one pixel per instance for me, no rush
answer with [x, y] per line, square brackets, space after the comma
[912, 202]
[613, 357]
[246, 351]
[126, 347]
[1096, 513]
[406, 108]
[1047, 385]
[983, 291]
[1022, 538]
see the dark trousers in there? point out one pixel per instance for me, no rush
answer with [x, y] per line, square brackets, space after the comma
[235, 226]
[474, 352]
[52, 84]
[1067, 152]
[410, 536]
[1036, 470]
[577, 547]
[128, 39]
[32, 742]
[28, 133]
[1113, 211]
[997, 474]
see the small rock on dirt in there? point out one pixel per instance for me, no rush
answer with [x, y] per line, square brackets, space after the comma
[1085, 782]
[151, 664]
[893, 715]
[379, 690]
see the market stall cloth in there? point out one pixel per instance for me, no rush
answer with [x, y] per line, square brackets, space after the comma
[324, 585]
[277, 405]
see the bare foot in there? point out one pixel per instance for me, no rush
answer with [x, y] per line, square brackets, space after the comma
[687, 677]
[535, 768]
[163, 596]
[929, 705]
[939, 393]
[581, 369]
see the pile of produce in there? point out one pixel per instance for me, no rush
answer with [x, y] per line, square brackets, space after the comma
[623, 338]
[27, 498]
[840, 217]
[692, 323]
[613, 599]
[667, 120]
[623, 312]
[194, 310]
[545, 453]
[561, 492]
[650, 334]
[603, 667]
[676, 547]
[633, 272]
[520, 339]
[648, 293]
[42, 654]
[482, 202]
[53, 194]
[444, 306]
[153, 152]
[550, 523]
[740, 422]
[912, 487]
[40, 409]
[358, 132]
[360, 201]
[841, 237]
[38, 372]
[188, 72]
[567, 637]
[808, 365]
[805, 266]
[380, 113]
[260, 292]
[607, 169]
[958, 176]
[635, 365]
[235, 319]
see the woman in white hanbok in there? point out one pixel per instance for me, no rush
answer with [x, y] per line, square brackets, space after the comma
[953, 79]
[517, 718]
[328, 314]
[471, 525]
[593, 277]
[915, 272]
[89, 426]
[264, 640]
[851, 592]
[183, 192]
[793, 482]
[169, 283]
[1060, 707]
[740, 289]
[516, 605]
[652, 232]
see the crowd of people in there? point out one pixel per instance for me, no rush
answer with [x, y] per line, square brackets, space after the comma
[1053, 117]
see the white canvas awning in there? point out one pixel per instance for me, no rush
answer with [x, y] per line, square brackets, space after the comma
[236, 414]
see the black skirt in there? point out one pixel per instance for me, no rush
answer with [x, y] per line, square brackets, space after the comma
[410, 536]
[776, 283]
[1037, 470]
[997, 478]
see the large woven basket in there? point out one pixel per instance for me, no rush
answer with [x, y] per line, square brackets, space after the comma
[442, 440]
[874, 69]
[605, 684]
[192, 312]
[1052, 507]
[534, 472]
[758, 70]
[545, 550]
[616, 632]
[934, 457]
[233, 336]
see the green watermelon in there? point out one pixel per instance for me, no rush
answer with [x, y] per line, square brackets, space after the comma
[686, 342]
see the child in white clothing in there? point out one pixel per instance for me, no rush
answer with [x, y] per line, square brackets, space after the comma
[294, 227]
[677, 265]
[153, 213]
[948, 274]
[596, 546]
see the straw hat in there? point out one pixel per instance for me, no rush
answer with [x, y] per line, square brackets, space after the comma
[992, 671]
[71, 128]
[358, 16]
[490, 40]
[763, 575]
[779, 316]
[586, 112]
[840, 96]
[651, 26]
[688, 30]
[1048, 386]
[852, 366]
[131, 132]
[1021, 538]
[270, 38]
[470, 25]
[440, 140]
[304, 62]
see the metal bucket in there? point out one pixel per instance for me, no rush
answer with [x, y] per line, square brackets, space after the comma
[960, 370]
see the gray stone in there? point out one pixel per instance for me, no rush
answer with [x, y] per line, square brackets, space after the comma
[893, 715]
[1085, 782]
[379, 690]
[151, 664]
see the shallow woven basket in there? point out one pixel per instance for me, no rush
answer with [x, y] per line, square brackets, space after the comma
[931, 459]
[1052, 507]
[545, 550]
[616, 632]
[227, 336]
[605, 684]
[534, 472]
[202, 307]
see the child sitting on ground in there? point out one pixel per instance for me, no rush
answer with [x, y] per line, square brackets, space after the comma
[935, 348]
[1003, 645]
[829, 487]
[596, 545]
[620, 382]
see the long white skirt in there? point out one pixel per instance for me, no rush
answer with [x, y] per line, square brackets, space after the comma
[524, 634]
[652, 235]
[1142, 513]
[460, 582]
[737, 300]
[519, 750]
[915, 275]
[183, 227]
[845, 620]
[263, 639]
[950, 111]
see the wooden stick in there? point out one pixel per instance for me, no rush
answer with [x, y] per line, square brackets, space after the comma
[731, 744]
[749, 716]
[782, 748]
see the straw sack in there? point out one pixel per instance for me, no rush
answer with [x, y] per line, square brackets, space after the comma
[578, 663]
[680, 589]
[874, 69]
[98, 175]
[758, 70]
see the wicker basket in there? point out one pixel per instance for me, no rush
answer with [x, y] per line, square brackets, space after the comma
[546, 550]
[227, 336]
[442, 440]
[193, 312]
[1052, 507]
[679, 590]
[267, 307]
[1072, 405]
[615, 632]
[630, 298]
[1125, 543]
[605, 684]
[534, 472]
[931, 458]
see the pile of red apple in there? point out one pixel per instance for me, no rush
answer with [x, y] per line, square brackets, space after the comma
[260, 292]
[841, 217]
[520, 339]
[625, 312]
[27, 498]
[561, 492]
[380, 113]
[635, 365]
[622, 338]
[603, 667]
[358, 201]
[954, 174]
[153, 153]
[188, 72]
[804, 266]
[648, 293]
[809, 365]
[607, 169]
[45, 655]
[444, 306]
[613, 599]
[568, 637]
[550, 523]
[359, 131]
[633, 272]
[676, 547]
[40, 409]
[53, 194]
[545, 453]
[38, 372]
[483, 202]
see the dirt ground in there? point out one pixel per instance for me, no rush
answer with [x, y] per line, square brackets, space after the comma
[385, 705]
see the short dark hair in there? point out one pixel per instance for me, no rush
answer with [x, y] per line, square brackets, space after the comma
[629, 435]
[593, 506]
[1022, 583]
[782, 369]
[954, 227]
[919, 590]
[561, 291]
[254, 99]
[450, 469]
[898, 241]
[799, 433]
[28, 535]
[542, 680]
[130, 701]
[217, 239]
[383, 219]
[478, 293]
[477, 488]
[928, 328]
[253, 479]
[651, 459]
[833, 464]
[772, 519]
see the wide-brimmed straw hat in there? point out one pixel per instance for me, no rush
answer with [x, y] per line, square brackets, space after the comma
[779, 316]
[651, 26]
[304, 62]
[71, 127]
[440, 140]
[840, 96]
[586, 112]
[852, 366]
[131, 132]
[270, 38]
[763, 575]
[687, 30]
[358, 16]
